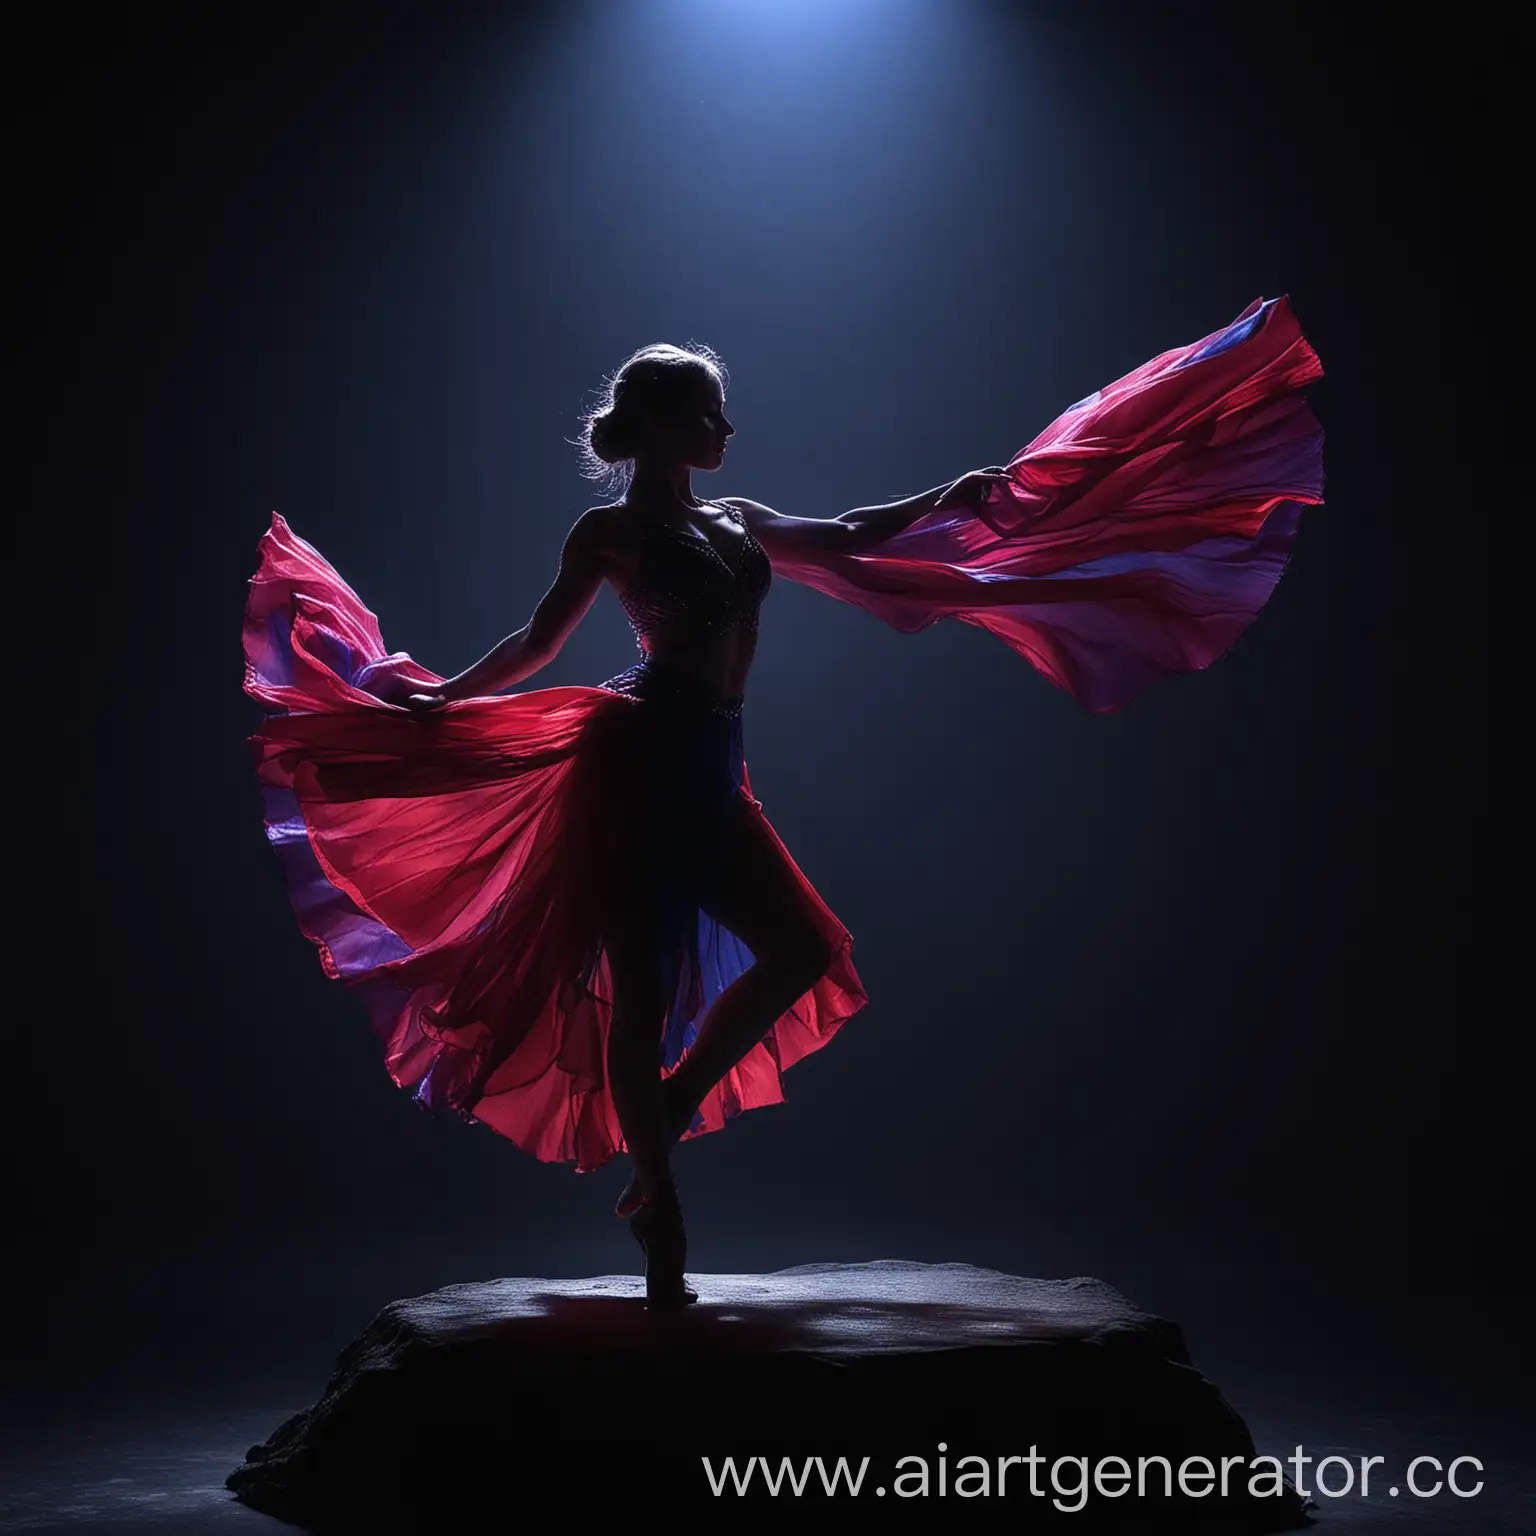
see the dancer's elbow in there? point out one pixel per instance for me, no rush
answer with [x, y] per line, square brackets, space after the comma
[850, 533]
[539, 648]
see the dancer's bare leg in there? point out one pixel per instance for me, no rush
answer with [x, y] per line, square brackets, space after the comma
[634, 1062]
[761, 906]
[634, 1076]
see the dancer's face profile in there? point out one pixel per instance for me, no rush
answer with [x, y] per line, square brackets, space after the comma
[694, 436]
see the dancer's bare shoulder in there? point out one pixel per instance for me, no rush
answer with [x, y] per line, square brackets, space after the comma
[606, 538]
[780, 533]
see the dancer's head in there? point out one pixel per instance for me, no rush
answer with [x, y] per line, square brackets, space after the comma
[664, 406]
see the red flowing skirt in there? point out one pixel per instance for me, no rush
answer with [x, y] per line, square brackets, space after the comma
[460, 871]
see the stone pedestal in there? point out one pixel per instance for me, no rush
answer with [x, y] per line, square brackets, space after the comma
[509, 1401]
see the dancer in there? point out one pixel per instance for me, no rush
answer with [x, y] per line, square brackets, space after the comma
[565, 908]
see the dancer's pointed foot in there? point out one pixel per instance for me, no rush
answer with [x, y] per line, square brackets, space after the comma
[679, 1118]
[658, 1228]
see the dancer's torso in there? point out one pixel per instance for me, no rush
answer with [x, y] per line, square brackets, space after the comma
[693, 599]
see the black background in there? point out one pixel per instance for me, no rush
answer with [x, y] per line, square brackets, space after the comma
[1208, 996]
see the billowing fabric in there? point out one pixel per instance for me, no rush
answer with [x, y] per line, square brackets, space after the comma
[461, 872]
[465, 873]
[1140, 533]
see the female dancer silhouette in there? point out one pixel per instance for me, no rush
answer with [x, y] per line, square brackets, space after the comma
[567, 912]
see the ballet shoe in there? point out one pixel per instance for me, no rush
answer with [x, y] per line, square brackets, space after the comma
[659, 1231]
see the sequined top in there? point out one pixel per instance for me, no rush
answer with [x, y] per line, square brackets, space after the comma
[685, 589]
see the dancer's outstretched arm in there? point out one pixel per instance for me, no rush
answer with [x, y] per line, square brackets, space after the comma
[583, 566]
[863, 526]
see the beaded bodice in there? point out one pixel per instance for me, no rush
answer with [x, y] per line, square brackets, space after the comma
[687, 591]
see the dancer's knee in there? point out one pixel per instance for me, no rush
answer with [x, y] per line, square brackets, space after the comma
[634, 1033]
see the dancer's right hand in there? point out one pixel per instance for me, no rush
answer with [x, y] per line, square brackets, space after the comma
[425, 703]
[972, 491]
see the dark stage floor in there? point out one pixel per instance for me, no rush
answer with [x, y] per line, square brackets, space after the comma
[140, 1386]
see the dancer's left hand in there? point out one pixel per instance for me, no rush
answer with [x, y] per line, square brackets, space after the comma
[972, 490]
